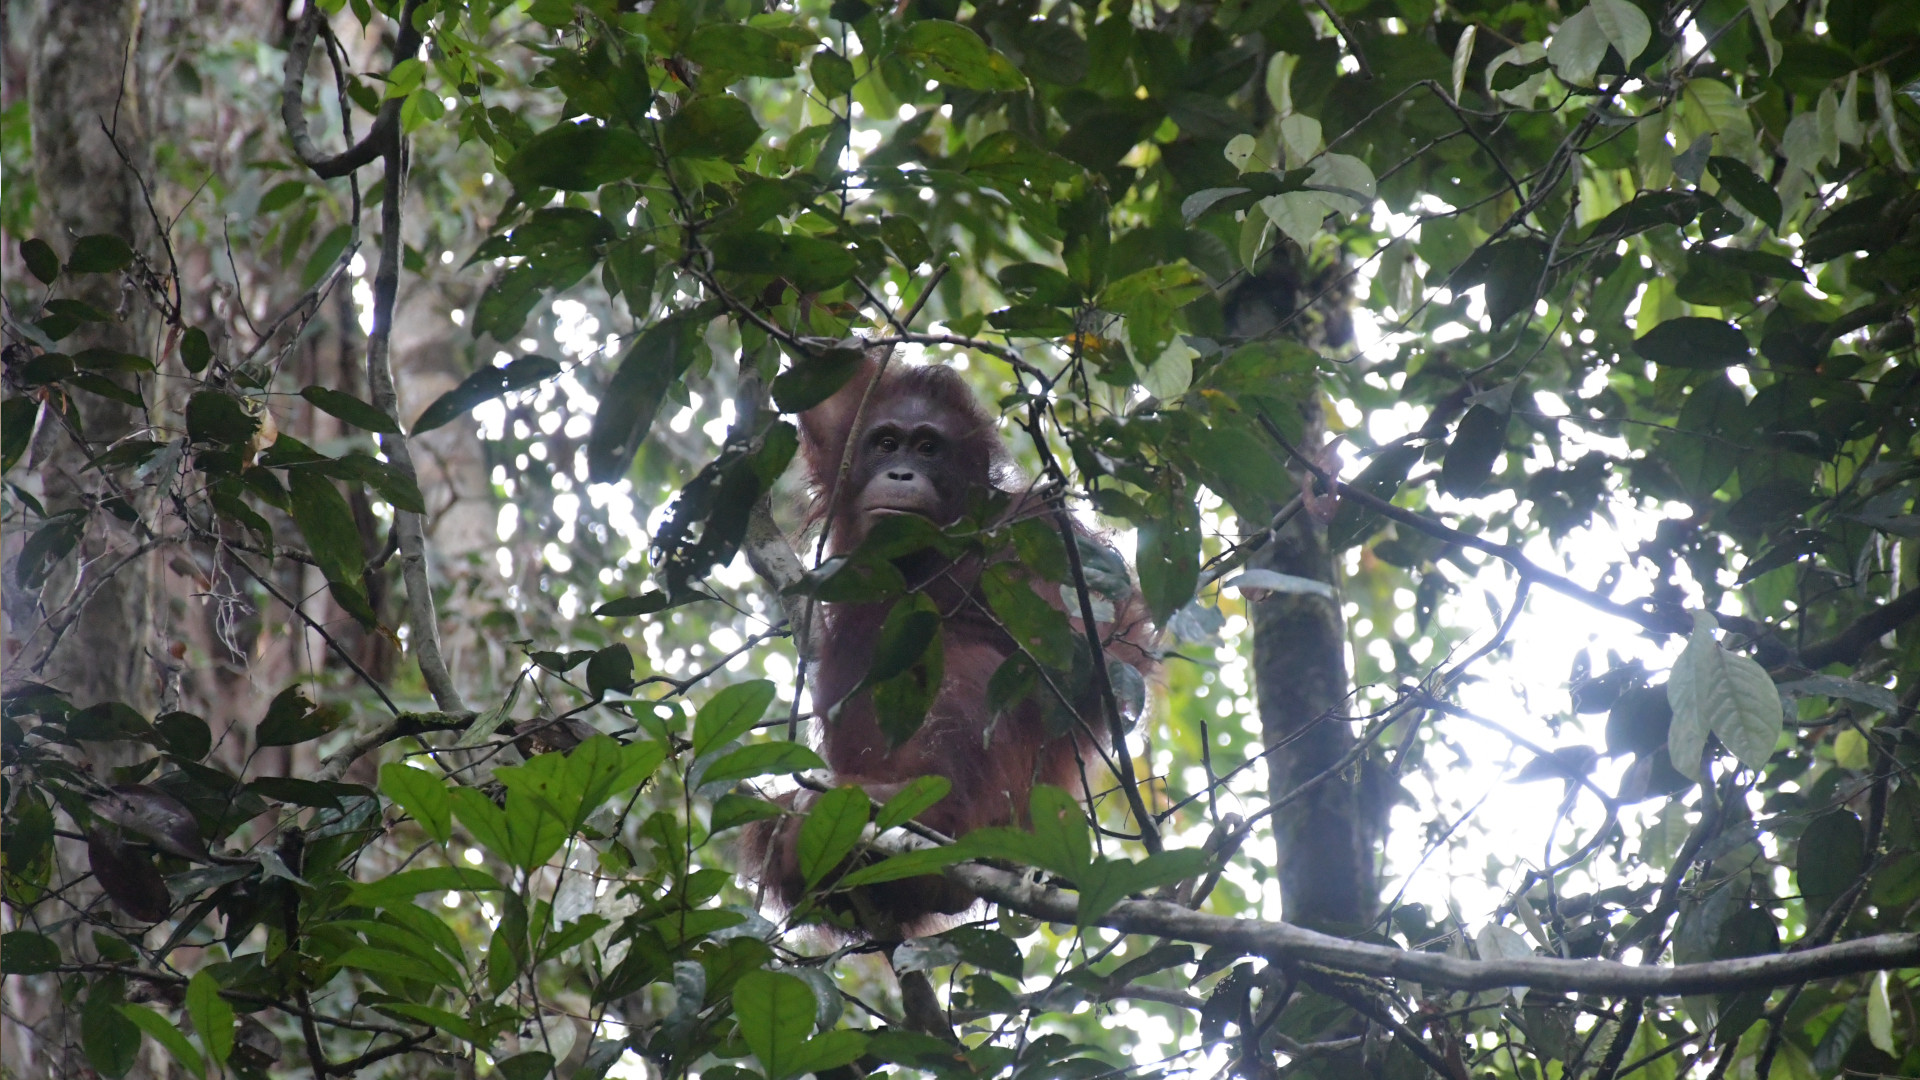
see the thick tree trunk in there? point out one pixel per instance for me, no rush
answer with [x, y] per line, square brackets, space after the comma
[83, 85]
[1326, 837]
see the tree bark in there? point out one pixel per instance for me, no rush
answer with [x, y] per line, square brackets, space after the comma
[83, 85]
[1325, 840]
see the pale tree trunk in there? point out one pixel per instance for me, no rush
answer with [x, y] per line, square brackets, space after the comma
[84, 83]
[90, 630]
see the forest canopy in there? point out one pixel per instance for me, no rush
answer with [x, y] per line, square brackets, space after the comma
[1505, 413]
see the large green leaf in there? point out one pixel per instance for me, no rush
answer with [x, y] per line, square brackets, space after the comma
[955, 55]
[578, 157]
[831, 831]
[485, 385]
[1714, 690]
[730, 714]
[633, 395]
[775, 1013]
[422, 795]
[212, 1017]
[719, 126]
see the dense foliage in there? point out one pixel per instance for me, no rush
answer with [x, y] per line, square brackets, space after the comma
[1638, 266]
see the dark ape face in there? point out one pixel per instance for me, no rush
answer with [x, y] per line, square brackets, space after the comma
[915, 456]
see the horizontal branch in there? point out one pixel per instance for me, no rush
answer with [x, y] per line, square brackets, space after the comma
[1279, 941]
[1846, 646]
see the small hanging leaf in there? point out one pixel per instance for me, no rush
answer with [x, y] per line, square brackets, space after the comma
[610, 669]
[762, 759]
[1478, 442]
[40, 259]
[1714, 690]
[351, 409]
[484, 385]
[813, 379]
[634, 394]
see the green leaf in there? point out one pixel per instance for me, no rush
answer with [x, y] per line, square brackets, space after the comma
[832, 74]
[45, 265]
[908, 666]
[760, 759]
[955, 55]
[212, 1017]
[1694, 342]
[578, 157]
[989, 950]
[1739, 181]
[1478, 442]
[389, 962]
[196, 352]
[1707, 441]
[325, 255]
[485, 821]
[720, 126]
[811, 263]
[1832, 855]
[326, 521]
[422, 795]
[531, 1065]
[17, 417]
[827, 1050]
[730, 811]
[627, 607]
[775, 1013]
[23, 952]
[1057, 842]
[918, 796]
[739, 48]
[110, 1040]
[730, 714]
[292, 719]
[1715, 690]
[633, 395]
[1038, 626]
[99, 254]
[831, 831]
[813, 379]
[1167, 551]
[166, 1034]
[219, 417]
[484, 385]
[351, 409]
[910, 864]
[401, 888]
[610, 669]
[1108, 881]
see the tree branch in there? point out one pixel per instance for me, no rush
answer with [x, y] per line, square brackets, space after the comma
[1846, 646]
[1278, 941]
[293, 115]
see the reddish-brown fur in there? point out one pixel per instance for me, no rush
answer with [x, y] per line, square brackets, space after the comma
[992, 765]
